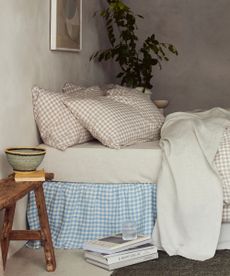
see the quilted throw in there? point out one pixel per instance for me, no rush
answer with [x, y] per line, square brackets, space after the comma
[189, 194]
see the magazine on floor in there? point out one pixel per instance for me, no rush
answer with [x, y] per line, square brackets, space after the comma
[113, 244]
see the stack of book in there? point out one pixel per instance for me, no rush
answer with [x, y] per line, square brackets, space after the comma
[29, 176]
[113, 252]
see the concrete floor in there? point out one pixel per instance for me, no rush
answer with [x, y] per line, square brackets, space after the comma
[30, 262]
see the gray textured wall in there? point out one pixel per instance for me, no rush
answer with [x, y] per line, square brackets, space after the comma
[26, 60]
[200, 76]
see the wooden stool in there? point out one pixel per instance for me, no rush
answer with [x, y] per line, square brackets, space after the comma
[10, 192]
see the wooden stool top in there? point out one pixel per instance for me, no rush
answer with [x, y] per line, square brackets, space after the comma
[10, 191]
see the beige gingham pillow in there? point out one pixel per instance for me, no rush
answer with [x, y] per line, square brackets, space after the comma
[57, 125]
[142, 103]
[114, 124]
[91, 91]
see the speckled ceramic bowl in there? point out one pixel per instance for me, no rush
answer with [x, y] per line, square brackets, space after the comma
[161, 103]
[25, 158]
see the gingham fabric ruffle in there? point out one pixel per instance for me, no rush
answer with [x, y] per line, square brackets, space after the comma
[78, 212]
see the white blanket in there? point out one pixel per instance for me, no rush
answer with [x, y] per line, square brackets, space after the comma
[189, 198]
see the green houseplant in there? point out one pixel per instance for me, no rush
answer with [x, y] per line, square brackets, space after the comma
[136, 63]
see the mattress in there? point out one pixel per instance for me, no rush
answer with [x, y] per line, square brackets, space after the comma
[94, 163]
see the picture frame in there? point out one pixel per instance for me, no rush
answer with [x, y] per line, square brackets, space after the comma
[66, 25]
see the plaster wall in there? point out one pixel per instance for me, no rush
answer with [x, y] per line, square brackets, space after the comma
[26, 60]
[199, 77]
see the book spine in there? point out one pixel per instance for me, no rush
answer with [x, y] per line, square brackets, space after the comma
[133, 261]
[123, 263]
[130, 256]
[105, 266]
[96, 257]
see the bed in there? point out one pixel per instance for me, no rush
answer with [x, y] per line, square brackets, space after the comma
[97, 188]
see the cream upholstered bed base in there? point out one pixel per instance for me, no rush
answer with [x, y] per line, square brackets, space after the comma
[94, 163]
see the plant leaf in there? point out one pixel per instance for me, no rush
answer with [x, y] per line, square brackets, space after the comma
[135, 58]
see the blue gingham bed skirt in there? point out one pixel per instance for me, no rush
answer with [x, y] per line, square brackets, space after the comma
[79, 211]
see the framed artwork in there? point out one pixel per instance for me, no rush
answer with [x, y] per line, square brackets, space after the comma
[66, 25]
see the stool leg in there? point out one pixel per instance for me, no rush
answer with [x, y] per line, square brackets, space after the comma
[7, 227]
[45, 229]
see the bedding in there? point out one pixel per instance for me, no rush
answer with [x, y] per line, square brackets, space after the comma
[123, 119]
[94, 163]
[222, 162]
[57, 125]
[127, 190]
[70, 88]
[105, 165]
[190, 204]
[85, 211]
[114, 124]
[100, 216]
[79, 114]
[142, 103]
